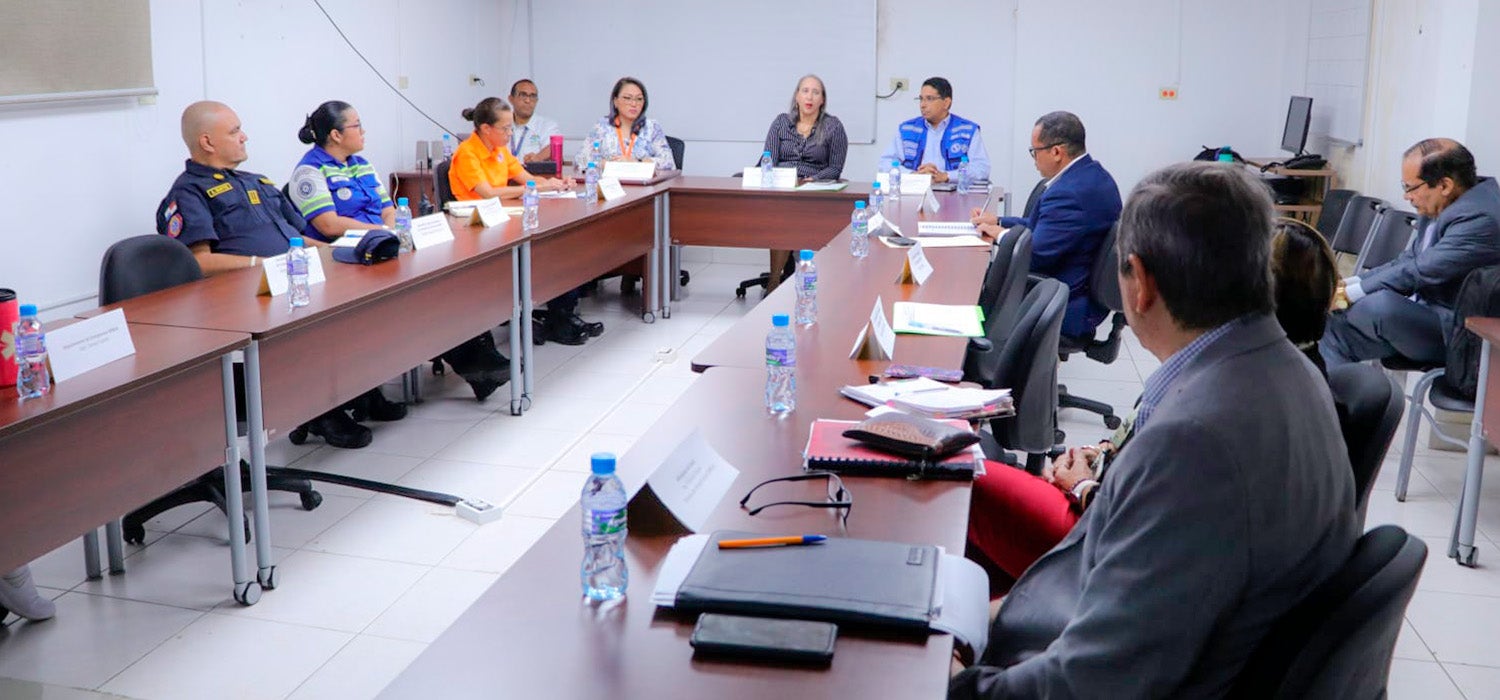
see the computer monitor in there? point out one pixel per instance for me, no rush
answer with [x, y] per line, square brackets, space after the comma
[1298, 116]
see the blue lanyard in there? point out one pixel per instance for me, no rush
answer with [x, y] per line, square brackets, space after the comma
[520, 138]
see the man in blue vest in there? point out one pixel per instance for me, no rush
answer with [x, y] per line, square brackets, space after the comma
[937, 142]
[1076, 208]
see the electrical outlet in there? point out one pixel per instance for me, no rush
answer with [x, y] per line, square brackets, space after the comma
[1168, 93]
[402, 82]
[475, 80]
[900, 84]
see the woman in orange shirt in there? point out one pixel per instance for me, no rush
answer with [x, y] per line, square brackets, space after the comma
[484, 167]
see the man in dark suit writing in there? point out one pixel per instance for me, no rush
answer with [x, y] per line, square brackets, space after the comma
[1078, 205]
[1235, 497]
[1405, 307]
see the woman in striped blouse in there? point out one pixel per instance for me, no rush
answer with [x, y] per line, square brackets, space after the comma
[806, 136]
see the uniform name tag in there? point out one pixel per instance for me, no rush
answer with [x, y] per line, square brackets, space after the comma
[217, 190]
[254, 196]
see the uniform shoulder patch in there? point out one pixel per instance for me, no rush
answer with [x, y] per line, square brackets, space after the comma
[174, 225]
[267, 181]
[217, 190]
[218, 176]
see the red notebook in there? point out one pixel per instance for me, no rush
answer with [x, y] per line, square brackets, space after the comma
[828, 450]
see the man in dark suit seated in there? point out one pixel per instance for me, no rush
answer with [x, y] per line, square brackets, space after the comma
[1235, 497]
[1076, 210]
[1405, 307]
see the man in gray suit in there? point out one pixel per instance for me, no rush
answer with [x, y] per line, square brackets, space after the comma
[1405, 307]
[1235, 497]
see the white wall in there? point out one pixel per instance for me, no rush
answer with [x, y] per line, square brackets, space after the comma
[84, 175]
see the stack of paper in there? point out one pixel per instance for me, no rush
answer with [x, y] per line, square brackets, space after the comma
[945, 228]
[822, 186]
[884, 392]
[925, 397]
[961, 320]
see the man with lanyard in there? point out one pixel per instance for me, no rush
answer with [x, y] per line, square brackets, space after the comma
[533, 133]
[936, 142]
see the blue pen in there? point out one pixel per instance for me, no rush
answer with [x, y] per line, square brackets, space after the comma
[787, 541]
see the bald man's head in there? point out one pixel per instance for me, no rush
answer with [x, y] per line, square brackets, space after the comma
[213, 136]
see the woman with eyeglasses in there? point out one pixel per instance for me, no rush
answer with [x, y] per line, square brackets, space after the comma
[332, 186]
[806, 136]
[627, 134]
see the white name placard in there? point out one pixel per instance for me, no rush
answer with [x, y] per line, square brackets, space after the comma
[781, 178]
[626, 170]
[610, 189]
[488, 212]
[88, 344]
[917, 265]
[692, 480]
[877, 340]
[274, 279]
[430, 230]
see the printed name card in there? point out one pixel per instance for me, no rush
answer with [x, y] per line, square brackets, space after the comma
[624, 170]
[610, 189]
[274, 280]
[430, 230]
[781, 178]
[876, 341]
[881, 226]
[488, 212]
[692, 480]
[929, 202]
[89, 344]
[911, 183]
[917, 268]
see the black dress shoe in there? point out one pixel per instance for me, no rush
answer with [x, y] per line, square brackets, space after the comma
[627, 284]
[564, 332]
[489, 354]
[339, 430]
[373, 405]
[485, 372]
[594, 329]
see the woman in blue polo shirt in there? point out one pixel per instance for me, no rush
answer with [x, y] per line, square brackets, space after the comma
[336, 190]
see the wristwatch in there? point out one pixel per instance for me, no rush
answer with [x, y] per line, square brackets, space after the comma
[1080, 491]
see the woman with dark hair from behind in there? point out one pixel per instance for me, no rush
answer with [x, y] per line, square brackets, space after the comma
[1305, 275]
[627, 134]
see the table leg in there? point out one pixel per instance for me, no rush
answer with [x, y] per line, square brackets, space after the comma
[521, 273]
[266, 569]
[1462, 547]
[91, 566]
[520, 336]
[246, 590]
[114, 543]
[664, 249]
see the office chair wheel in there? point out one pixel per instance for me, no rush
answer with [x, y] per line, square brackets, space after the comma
[135, 534]
[648, 317]
[1467, 556]
[437, 368]
[267, 578]
[1112, 422]
[311, 500]
[739, 292]
[683, 277]
[247, 593]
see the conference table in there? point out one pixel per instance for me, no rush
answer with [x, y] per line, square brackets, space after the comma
[112, 439]
[530, 635]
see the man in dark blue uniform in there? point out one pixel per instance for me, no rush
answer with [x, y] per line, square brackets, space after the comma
[231, 219]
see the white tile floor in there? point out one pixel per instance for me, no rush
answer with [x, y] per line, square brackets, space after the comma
[369, 580]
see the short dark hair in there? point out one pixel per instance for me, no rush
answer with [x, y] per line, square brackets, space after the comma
[1305, 275]
[323, 121]
[1444, 158]
[1203, 231]
[518, 83]
[488, 111]
[614, 114]
[943, 87]
[1064, 128]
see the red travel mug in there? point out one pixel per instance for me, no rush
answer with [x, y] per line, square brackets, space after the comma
[557, 157]
[10, 314]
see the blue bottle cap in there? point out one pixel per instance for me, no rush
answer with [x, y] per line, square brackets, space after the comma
[28, 309]
[765, 153]
[780, 320]
[592, 164]
[403, 202]
[602, 463]
[296, 241]
[895, 164]
[860, 204]
[531, 183]
[806, 255]
[965, 159]
[875, 184]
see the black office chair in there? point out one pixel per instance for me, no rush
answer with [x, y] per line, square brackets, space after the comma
[678, 147]
[1033, 198]
[1355, 225]
[146, 264]
[1027, 365]
[1104, 289]
[440, 183]
[1372, 404]
[1005, 282]
[1338, 642]
[1335, 202]
[1390, 235]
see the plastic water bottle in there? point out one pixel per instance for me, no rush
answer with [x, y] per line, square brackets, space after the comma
[447, 147]
[859, 239]
[603, 572]
[593, 154]
[767, 174]
[296, 274]
[531, 219]
[781, 367]
[965, 180]
[895, 181]
[33, 379]
[807, 290]
[877, 199]
[403, 223]
[591, 182]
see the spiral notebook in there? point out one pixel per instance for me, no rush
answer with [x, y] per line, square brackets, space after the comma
[828, 450]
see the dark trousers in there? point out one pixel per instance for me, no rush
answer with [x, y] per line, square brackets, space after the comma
[564, 303]
[1384, 324]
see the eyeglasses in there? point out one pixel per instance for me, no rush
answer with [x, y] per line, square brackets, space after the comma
[1037, 149]
[929, 98]
[355, 125]
[633, 100]
[525, 95]
[1408, 189]
[838, 496]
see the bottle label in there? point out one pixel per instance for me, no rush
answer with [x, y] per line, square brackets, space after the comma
[30, 344]
[607, 522]
[810, 282]
[781, 357]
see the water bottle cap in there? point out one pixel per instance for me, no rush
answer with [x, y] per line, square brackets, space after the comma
[765, 154]
[780, 320]
[596, 144]
[895, 164]
[860, 204]
[806, 255]
[592, 164]
[445, 137]
[875, 184]
[602, 462]
[965, 159]
[531, 183]
[296, 241]
[28, 309]
[403, 202]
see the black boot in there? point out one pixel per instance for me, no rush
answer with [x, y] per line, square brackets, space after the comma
[559, 328]
[373, 405]
[594, 329]
[472, 362]
[339, 430]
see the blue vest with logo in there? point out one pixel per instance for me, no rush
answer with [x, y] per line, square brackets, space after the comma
[956, 139]
[354, 190]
